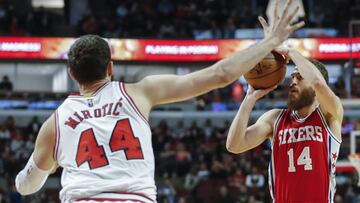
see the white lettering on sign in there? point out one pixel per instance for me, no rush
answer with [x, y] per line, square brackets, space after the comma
[20, 46]
[338, 47]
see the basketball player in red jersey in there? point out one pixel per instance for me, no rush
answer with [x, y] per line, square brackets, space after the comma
[101, 137]
[305, 137]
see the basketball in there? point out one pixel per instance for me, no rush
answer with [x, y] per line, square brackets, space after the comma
[268, 72]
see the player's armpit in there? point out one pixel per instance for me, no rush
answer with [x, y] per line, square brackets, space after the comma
[334, 123]
[329, 102]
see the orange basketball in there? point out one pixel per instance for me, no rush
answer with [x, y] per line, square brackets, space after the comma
[268, 72]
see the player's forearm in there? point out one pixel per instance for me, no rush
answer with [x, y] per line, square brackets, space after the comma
[243, 61]
[307, 70]
[236, 141]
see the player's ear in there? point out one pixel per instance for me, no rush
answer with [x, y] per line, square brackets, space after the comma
[71, 74]
[110, 69]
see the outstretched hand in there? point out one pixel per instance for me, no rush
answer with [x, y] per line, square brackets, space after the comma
[280, 28]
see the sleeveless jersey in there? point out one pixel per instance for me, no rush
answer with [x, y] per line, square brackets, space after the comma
[103, 144]
[303, 160]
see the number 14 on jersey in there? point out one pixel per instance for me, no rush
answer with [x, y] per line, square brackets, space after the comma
[303, 159]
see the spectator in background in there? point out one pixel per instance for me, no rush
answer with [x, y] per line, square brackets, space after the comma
[339, 88]
[14, 196]
[191, 179]
[255, 179]
[225, 197]
[4, 134]
[179, 131]
[347, 126]
[34, 126]
[9, 124]
[237, 179]
[357, 124]
[166, 191]
[5, 84]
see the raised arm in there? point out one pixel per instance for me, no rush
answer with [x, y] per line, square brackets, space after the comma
[41, 162]
[329, 102]
[162, 89]
[241, 137]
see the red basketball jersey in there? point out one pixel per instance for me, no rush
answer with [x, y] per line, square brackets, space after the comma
[304, 154]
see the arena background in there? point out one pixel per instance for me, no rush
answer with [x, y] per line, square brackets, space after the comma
[176, 37]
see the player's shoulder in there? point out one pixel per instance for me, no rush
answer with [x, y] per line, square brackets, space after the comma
[273, 113]
[271, 116]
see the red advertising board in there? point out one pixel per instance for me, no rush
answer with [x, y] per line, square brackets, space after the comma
[173, 50]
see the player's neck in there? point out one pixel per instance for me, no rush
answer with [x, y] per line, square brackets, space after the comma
[305, 111]
[89, 89]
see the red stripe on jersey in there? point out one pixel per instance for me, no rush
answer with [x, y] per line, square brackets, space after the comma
[131, 102]
[100, 88]
[119, 199]
[133, 193]
[57, 136]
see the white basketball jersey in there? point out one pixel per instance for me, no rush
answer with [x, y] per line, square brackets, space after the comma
[104, 145]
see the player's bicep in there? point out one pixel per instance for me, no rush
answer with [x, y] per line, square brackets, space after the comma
[258, 133]
[44, 145]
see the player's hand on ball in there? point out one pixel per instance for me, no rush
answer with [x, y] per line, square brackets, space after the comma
[257, 94]
[285, 52]
[280, 28]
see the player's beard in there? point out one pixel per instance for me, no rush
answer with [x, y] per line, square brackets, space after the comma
[305, 98]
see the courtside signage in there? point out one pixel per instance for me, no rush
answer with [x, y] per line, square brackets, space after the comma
[173, 50]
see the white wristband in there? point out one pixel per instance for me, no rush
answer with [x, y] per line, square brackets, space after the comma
[31, 178]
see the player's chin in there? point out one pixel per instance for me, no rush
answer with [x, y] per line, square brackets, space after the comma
[293, 95]
[292, 100]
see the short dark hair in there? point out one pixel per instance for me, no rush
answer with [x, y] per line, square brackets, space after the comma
[321, 67]
[88, 58]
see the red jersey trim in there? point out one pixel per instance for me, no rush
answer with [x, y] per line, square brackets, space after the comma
[132, 103]
[78, 95]
[323, 120]
[277, 121]
[133, 193]
[298, 119]
[271, 165]
[120, 198]
[57, 136]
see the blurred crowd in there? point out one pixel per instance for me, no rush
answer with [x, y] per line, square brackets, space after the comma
[159, 18]
[230, 97]
[223, 99]
[192, 166]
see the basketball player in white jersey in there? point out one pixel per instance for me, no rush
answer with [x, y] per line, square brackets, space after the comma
[101, 137]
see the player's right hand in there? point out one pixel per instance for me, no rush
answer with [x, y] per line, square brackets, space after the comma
[280, 28]
[255, 95]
